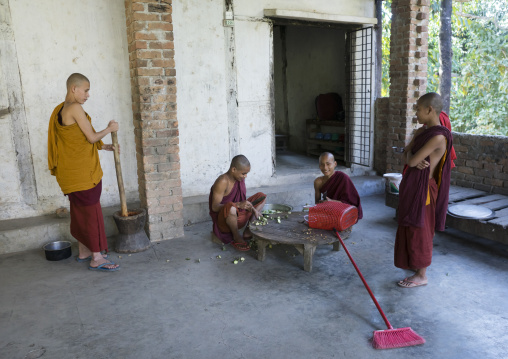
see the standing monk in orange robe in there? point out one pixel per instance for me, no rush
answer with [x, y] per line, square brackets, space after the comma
[229, 206]
[423, 193]
[73, 158]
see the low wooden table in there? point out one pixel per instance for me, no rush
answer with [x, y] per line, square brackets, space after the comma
[297, 233]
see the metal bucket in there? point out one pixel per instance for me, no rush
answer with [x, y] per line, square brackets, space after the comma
[277, 207]
[56, 251]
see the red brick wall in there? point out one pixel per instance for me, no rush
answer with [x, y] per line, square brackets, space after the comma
[408, 73]
[153, 84]
[482, 162]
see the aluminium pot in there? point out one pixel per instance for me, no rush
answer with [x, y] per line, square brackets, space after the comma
[58, 250]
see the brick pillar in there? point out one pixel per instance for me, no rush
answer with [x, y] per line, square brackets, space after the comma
[408, 73]
[153, 86]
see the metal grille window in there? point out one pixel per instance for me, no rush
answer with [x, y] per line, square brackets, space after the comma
[359, 67]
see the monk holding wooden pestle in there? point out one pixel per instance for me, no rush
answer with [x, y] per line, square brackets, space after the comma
[73, 158]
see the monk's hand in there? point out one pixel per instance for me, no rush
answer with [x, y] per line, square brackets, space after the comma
[113, 126]
[422, 165]
[245, 205]
[110, 147]
[257, 214]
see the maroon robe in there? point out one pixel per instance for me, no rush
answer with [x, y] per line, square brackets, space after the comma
[340, 188]
[87, 222]
[414, 186]
[413, 245]
[237, 194]
[418, 220]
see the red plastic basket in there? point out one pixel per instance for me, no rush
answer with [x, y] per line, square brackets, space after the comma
[329, 215]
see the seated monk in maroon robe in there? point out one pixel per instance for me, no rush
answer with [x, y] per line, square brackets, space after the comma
[335, 185]
[229, 206]
[423, 192]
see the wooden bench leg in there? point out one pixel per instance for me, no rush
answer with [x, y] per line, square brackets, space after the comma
[308, 253]
[261, 249]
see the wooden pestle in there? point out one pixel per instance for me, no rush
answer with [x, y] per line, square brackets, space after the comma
[118, 167]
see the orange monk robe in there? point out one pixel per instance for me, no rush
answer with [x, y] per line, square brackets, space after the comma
[71, 158]
[75, 163]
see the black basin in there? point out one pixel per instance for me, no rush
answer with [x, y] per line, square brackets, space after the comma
[56, 251]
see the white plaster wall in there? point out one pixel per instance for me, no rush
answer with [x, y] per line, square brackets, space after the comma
[53, 40]
[254, 55]
[9, 174]
[202, 108]
[365, 8]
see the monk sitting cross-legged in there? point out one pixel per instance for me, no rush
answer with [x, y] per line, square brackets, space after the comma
[335, 185]
[230, 209]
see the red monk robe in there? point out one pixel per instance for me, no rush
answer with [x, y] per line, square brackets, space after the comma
[445, 121]
[237, 194]
[423, 204]
[87, 222]
[340, 188]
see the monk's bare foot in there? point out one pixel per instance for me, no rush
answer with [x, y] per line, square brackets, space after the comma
[84, 257]
[247, 234]
[107, 264]
[413, 281]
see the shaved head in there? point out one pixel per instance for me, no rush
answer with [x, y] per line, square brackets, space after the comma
[240, 162]
[326, 155]
[433, 100]
[76, 79]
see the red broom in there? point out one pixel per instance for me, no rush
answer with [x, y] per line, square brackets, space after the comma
[389, 338]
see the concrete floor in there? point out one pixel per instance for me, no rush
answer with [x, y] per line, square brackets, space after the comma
[177, 300]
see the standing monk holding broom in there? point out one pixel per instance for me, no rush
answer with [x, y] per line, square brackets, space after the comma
[73, 158]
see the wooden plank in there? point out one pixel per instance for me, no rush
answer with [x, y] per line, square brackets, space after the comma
[455, 189]
[501, 221]
[489, 230]
[495, 205]
[484, 199]
[501, 213]
[464, 194]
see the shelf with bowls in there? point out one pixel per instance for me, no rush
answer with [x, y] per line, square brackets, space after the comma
[326, 136]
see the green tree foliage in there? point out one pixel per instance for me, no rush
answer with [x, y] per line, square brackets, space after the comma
[479, 94]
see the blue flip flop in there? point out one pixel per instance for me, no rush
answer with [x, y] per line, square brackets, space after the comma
[88, 259]
[102, 268]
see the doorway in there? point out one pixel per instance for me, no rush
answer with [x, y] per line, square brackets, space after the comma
[310, 60]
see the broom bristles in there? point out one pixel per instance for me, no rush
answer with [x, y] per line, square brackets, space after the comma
[396, 338]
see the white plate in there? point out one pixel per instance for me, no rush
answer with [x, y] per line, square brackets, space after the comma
[470, 211]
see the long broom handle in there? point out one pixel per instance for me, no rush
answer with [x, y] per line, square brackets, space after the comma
[118, 167]
[364, 282]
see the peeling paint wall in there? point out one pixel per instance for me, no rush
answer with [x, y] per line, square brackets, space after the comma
[206, 58]
[53, 39]
[201, 67]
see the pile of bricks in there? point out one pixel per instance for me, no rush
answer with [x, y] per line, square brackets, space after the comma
[153, 82]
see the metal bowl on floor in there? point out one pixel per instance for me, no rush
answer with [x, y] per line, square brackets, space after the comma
[58, 250]
[277, 207]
